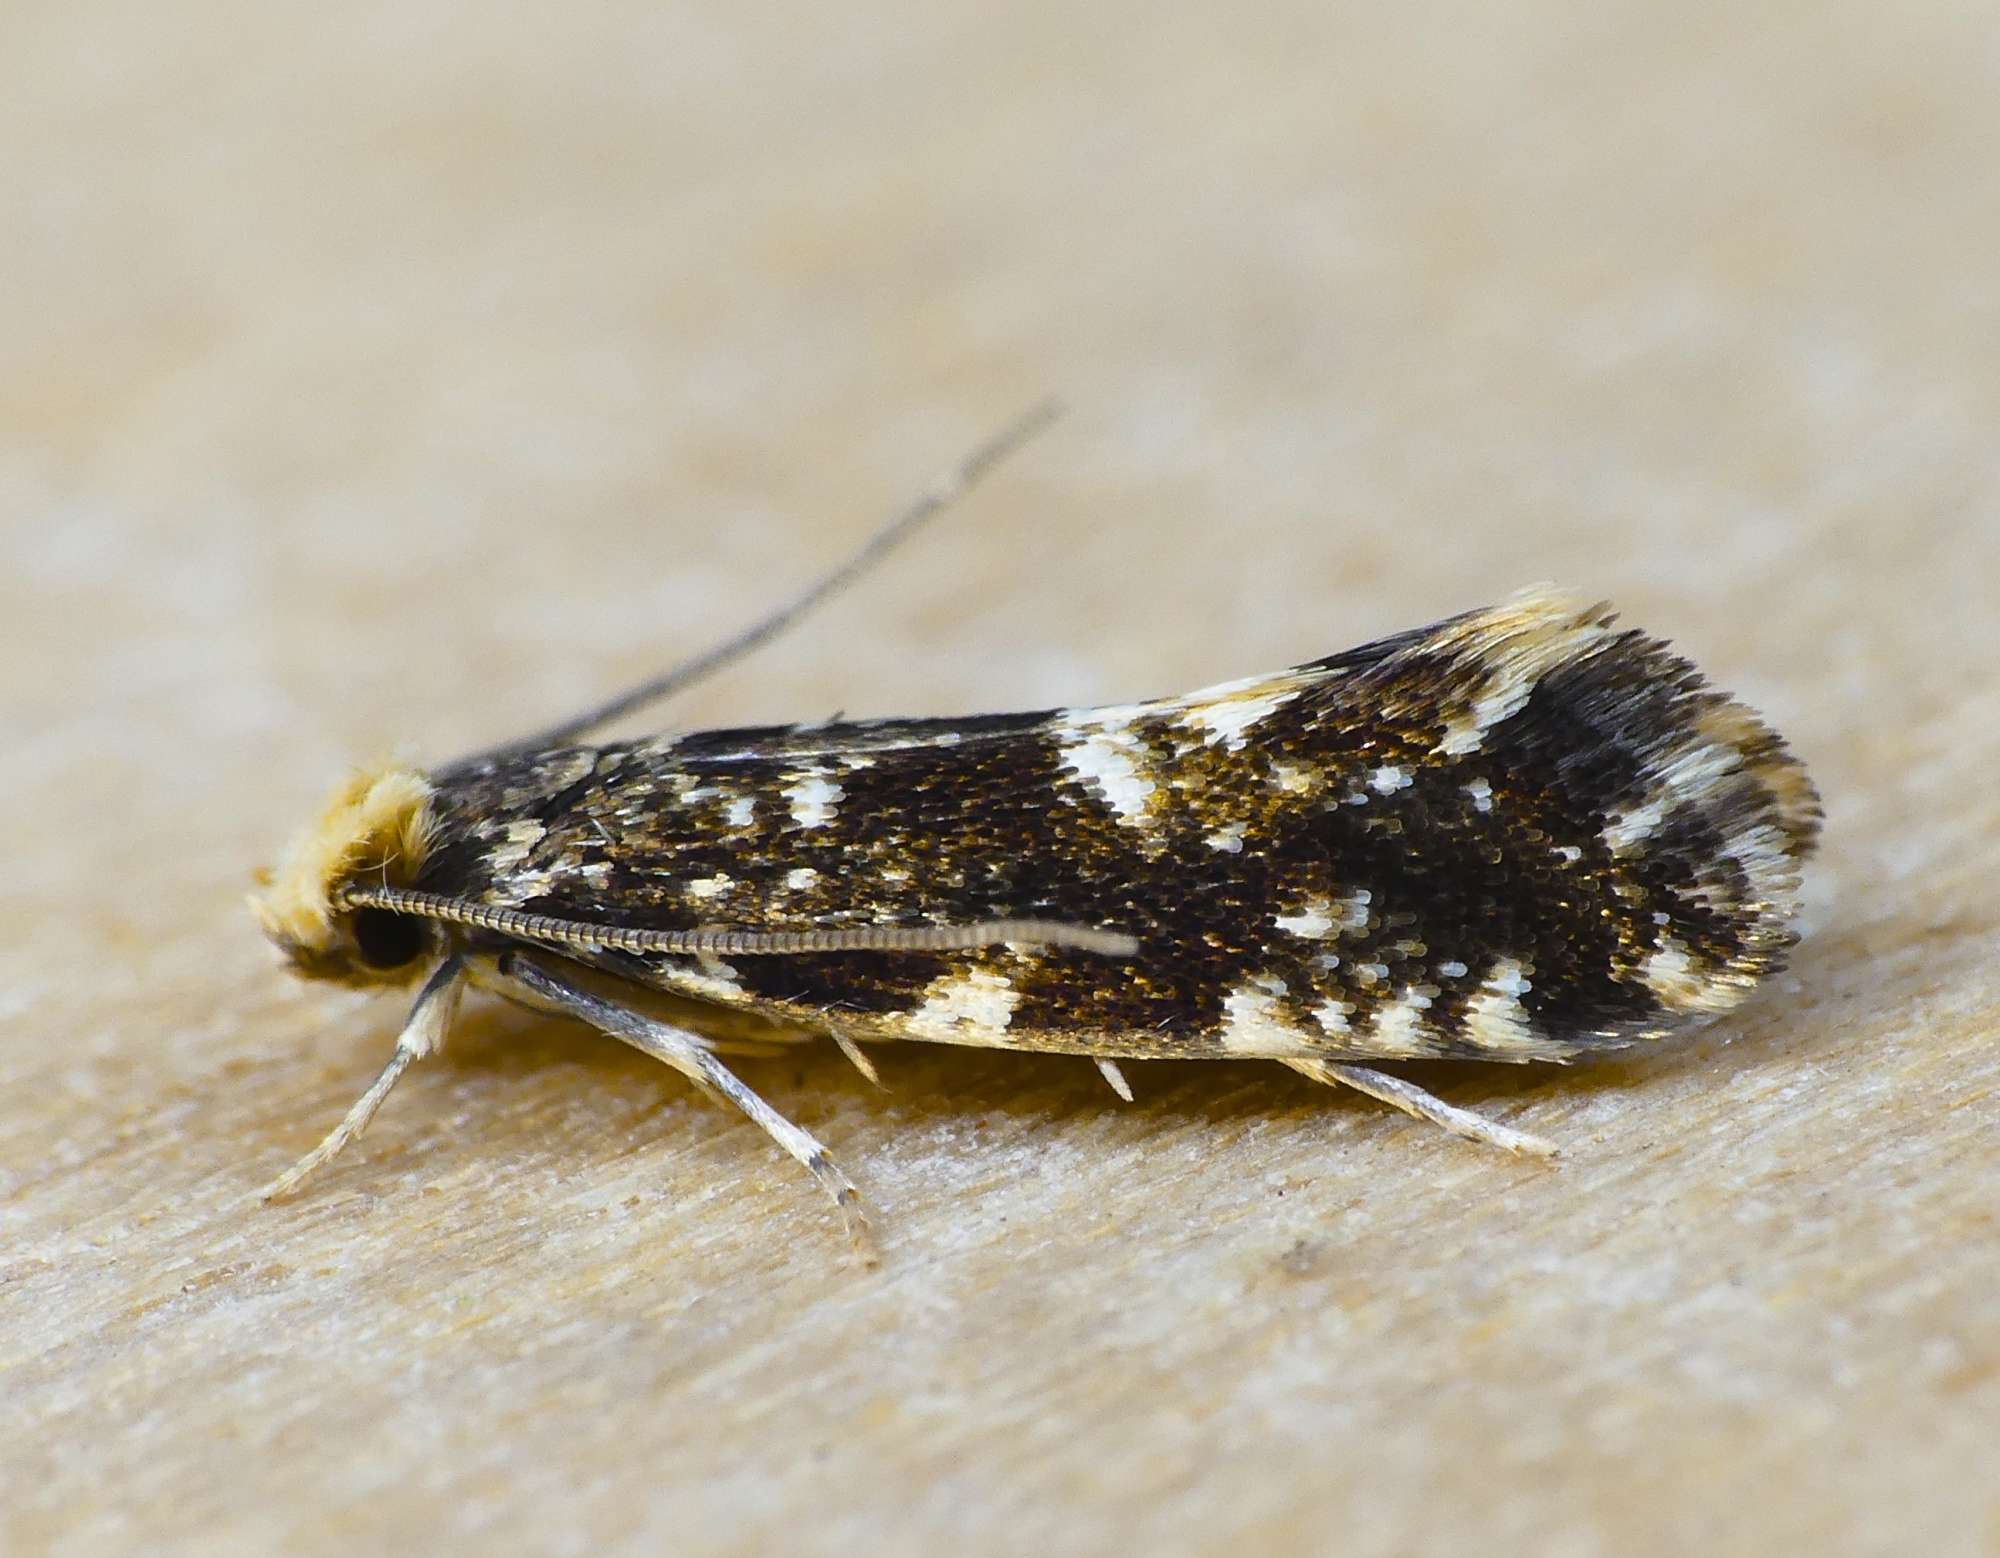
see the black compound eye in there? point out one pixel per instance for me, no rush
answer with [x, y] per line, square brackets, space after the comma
[389, 940]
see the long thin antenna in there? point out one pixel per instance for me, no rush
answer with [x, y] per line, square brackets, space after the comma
[941, 493]
[730, 941]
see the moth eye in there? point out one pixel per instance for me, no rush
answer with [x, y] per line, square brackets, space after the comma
[389, 940]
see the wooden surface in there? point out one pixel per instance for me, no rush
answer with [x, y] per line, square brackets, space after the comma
[393, 377]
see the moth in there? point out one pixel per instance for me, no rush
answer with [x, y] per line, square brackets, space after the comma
[1520, 834]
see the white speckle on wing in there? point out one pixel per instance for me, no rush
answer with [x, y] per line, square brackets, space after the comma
[741, 811]
[1495, 1019]
[1253, 1023]
[1516, 646]
[1388, 779]
[1228, 840]
[1501, 701]
[973, 1007]
[813, 799]
[1228, 715]
[1481, 793]
[1692, 772]
[1672, 974]
[512, 853]
[1668, 971]
[799, 878]
[1399, 1028]
[1105, 758]
[710, 886]
[1634, 826]
[712, 980]
[1311, 922]
[1766, 860]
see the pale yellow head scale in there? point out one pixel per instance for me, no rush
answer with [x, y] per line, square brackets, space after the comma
[376, 827]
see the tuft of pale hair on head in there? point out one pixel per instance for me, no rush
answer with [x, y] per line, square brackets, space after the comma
[380, 819]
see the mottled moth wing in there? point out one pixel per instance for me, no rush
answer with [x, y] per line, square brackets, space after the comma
[1518, 834]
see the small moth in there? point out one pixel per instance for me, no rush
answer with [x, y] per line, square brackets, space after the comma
[1519, 834]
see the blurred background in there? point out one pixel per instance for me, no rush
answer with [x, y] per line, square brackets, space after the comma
[395, 377]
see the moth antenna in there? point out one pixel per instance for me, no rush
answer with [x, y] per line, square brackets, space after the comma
[726, 941]
[941, 493]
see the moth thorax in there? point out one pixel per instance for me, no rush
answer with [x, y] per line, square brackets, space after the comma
[376, 828]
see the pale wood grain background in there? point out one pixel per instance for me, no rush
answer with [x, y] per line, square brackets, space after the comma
[401, 374]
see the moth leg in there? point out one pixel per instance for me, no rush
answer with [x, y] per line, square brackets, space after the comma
[855, 1054]
[1412, 1099]
[1115, 1077]
[423, 1034]
[687, 1055]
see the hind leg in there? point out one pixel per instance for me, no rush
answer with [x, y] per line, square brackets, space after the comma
[1412, 1099]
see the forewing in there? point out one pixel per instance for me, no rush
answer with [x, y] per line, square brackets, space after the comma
[1515, 834]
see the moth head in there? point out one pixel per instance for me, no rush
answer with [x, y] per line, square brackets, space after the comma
[376, 828]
